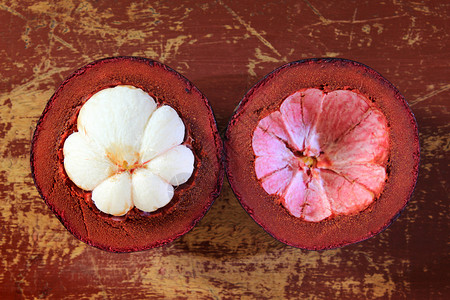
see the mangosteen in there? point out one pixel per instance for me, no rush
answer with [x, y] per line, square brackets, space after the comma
[322, 153]
[127, 154]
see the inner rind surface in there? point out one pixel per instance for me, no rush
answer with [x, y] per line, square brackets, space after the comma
[322, 154]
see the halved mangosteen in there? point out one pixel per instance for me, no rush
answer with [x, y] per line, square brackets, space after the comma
[322, 153]
[127, 154]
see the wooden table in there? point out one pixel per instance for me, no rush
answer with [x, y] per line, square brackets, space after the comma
[224, 47]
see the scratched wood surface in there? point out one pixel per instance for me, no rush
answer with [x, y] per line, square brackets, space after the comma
[224, 47]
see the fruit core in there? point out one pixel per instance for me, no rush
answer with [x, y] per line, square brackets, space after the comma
[323, 154]
[128, 151]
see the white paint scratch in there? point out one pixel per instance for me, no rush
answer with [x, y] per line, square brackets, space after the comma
[250, 29]
[430, 94]
[326, 21]
[12, 11]
[352, 32]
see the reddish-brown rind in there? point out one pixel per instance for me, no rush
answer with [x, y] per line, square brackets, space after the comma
[137, 230]
[330, 74]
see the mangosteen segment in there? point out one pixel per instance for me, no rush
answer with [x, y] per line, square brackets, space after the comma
[323, 154]
[127, 151]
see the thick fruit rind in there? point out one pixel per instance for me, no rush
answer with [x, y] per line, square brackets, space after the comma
[328, 74]
[73, 207]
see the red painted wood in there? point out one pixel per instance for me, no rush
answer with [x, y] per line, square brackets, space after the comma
[223, 47]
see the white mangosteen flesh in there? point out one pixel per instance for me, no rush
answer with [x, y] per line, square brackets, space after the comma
[127, 151]
[322, 154]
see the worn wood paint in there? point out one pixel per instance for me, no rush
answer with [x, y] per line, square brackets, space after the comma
[224, 47]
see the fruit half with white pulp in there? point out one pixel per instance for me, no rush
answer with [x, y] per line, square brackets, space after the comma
[127, 154]
[322, 153]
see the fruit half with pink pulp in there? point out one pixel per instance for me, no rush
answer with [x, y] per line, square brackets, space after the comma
[322, 153]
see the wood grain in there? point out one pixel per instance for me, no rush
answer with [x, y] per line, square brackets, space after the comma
[224, 47]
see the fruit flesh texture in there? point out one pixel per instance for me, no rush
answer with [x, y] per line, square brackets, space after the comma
[127, 151]
[322, 154]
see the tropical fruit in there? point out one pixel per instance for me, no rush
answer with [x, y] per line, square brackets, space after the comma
[322, 153]
[127, 154]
